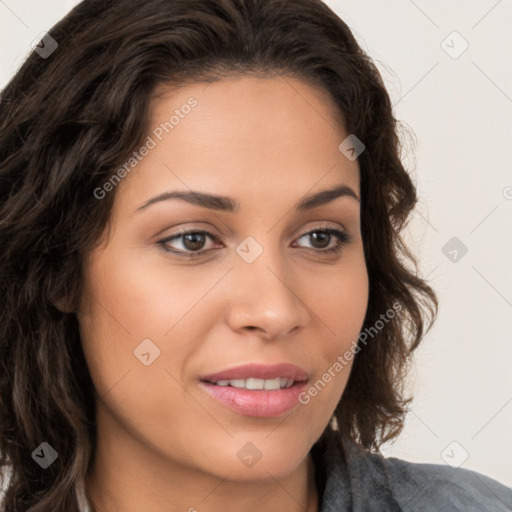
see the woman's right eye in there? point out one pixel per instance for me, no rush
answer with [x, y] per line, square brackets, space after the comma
[192, 242]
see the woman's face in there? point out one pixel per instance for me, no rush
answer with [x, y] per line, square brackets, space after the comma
[161, 316]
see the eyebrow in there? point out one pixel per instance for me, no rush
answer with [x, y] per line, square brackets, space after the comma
[224, 203]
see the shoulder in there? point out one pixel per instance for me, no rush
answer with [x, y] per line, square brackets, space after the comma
[361, 480]
[442, 488]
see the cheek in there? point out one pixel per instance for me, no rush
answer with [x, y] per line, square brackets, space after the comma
[340, 306]
[124, 305]
[130, 299]
[340, 300]
[143, 297]
[119, 310]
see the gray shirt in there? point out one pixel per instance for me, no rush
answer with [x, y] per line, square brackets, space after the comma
[356, 480]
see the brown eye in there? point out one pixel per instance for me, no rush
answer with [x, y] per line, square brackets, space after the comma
[322, 238]
[192, 242]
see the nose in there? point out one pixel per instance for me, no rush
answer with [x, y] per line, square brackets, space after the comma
[267, 298]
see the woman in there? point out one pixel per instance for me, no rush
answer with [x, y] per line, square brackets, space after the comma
[207, 302]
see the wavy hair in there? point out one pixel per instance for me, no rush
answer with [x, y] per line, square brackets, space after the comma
[69, 120]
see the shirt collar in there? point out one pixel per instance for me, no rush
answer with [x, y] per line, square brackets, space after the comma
[350, 477]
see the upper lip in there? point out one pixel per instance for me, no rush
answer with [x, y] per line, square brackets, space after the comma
[259, 371]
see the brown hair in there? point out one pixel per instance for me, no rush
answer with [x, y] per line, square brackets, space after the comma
[69, 120]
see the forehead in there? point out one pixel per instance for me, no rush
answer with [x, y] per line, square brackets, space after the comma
[262, 105]
[263, 137]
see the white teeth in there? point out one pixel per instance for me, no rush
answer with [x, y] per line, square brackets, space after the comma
[272, 383]
[254, 383]
[251, 383]
[237, 383]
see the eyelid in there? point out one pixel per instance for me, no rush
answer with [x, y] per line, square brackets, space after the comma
[321, 226]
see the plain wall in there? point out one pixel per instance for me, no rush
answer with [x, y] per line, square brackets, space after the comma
[460, 110]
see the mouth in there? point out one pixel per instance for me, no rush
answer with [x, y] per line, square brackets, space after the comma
[254, 383]
[257, 390]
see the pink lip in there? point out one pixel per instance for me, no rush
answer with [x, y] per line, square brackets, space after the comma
[260, 371]
[260, 403]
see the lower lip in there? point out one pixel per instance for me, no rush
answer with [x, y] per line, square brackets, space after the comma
[259, 403]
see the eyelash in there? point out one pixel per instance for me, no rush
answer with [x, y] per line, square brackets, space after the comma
[342, 236]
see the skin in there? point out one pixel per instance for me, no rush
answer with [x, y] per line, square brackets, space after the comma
[163, 443]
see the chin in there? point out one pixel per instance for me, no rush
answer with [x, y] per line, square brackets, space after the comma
[259, 456]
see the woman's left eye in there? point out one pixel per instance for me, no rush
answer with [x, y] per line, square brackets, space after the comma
[193, 241]
[325, 238]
